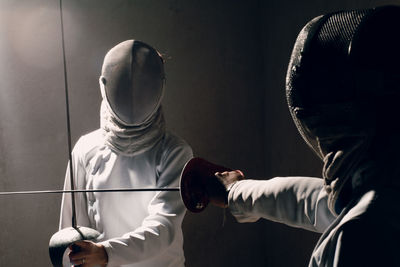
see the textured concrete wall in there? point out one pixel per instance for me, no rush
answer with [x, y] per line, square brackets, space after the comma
[225, 65]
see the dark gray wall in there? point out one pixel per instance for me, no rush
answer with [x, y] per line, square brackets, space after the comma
[226, 65]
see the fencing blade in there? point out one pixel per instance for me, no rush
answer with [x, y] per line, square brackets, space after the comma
[145, 189]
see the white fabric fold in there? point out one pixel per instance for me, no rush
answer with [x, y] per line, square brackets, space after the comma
[131, 140]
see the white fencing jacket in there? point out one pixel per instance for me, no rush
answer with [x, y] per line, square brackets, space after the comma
[365, 233]
[138, 229]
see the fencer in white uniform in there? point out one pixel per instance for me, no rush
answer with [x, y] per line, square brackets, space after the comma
[343, 87]
[132, 149]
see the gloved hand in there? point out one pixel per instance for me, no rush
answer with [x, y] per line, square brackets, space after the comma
[203, 182]
[219, 191]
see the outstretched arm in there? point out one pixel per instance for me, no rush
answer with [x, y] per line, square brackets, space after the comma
[295, 201]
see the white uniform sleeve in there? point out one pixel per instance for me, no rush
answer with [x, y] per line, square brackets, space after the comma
[295, 201]
[166, 212]
[80, 198]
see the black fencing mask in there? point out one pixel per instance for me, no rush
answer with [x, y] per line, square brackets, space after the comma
[343, 88]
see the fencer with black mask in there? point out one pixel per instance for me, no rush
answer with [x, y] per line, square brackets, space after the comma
[343, 92]
[132, 149]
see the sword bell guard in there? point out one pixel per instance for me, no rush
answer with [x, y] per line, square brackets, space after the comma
[61, 240]
[197, 182]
